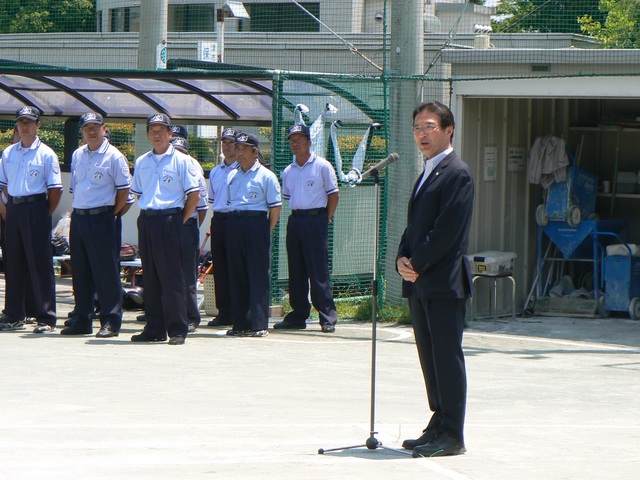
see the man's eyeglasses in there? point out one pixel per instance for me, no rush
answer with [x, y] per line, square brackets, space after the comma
[428, 128]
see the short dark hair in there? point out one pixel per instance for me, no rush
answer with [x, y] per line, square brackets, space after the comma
[444, 114]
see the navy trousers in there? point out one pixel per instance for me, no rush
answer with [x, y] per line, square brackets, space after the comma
[438, 326]
[221, 269]
[95, 264]
[190, 254]
[29, 263]
[160, 242]
[308, 260]
[248, 256]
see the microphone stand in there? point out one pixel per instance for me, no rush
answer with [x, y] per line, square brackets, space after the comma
[372, 442]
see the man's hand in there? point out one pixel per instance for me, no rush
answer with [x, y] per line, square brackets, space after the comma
[405, 269]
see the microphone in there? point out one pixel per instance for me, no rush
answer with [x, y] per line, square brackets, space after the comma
[392, 158]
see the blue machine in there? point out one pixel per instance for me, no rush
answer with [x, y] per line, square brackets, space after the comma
[621, 280]
[571, 200]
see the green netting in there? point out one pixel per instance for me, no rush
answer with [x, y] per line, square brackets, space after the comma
[373, 59]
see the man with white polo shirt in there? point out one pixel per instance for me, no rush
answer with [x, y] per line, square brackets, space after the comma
[311, 187]
[30, 177]
[100, 183]
[253, 196]
[217, 195]
[168, 191]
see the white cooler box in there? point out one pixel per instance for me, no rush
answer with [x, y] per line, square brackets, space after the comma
[492, 263]
[210, 296]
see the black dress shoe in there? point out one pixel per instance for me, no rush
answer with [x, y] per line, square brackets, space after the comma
[146, 337]
[75, 329]
[141, 318]
[443, 444]
[69, 321]
[328, 328]
[287, 325]
[219, 322]
[106, 332]
[428, 434]
[176, 340]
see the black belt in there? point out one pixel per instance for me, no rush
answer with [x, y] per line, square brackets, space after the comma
[220, 215]
[247, 213]
[92, 211]
[308, 212]
[28, 198]
[155, 213]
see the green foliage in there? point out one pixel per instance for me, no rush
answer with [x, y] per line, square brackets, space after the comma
[349, 144]
[203, 150]
[123, 138]
[620, 29]
[52, 137]
[544, 16]
[360, 309]
[6, 139]
[46, 16]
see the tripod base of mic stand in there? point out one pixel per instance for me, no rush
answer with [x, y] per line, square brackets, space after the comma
[372, 443]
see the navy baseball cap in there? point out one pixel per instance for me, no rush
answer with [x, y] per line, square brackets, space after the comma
[91, 117]
[247, 139]
[31, 113]
[158, 119]
[230, 133]
[180, 144]
[179, 131]
[299, 128]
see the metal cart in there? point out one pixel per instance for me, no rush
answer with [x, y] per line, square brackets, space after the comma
[620, 279]
[584, 243]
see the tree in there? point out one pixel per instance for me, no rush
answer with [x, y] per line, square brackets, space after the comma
[46, 16]
[620, 29]
[544, 16]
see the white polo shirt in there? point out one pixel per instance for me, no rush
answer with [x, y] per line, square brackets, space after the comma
[29, 171]
[164, 181]
[97, 175]
[308, 186]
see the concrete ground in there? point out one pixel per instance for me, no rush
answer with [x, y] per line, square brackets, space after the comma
[549, 398]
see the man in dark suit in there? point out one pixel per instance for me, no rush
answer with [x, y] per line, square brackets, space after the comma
[437, 279]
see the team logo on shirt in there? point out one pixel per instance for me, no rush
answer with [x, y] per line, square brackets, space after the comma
[97, 175]
[126, 172]
[55, 167]
[192, 170]
[167, 179]
[310, 183]
[33, 173]
[253, 195]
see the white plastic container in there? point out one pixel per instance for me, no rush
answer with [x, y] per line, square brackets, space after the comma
[492, 263]
[619, 249]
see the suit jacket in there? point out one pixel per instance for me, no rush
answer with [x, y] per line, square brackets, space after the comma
[437, 233]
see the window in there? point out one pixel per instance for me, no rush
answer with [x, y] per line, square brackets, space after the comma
[126, 19]
[280, 17]
[192, 18]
